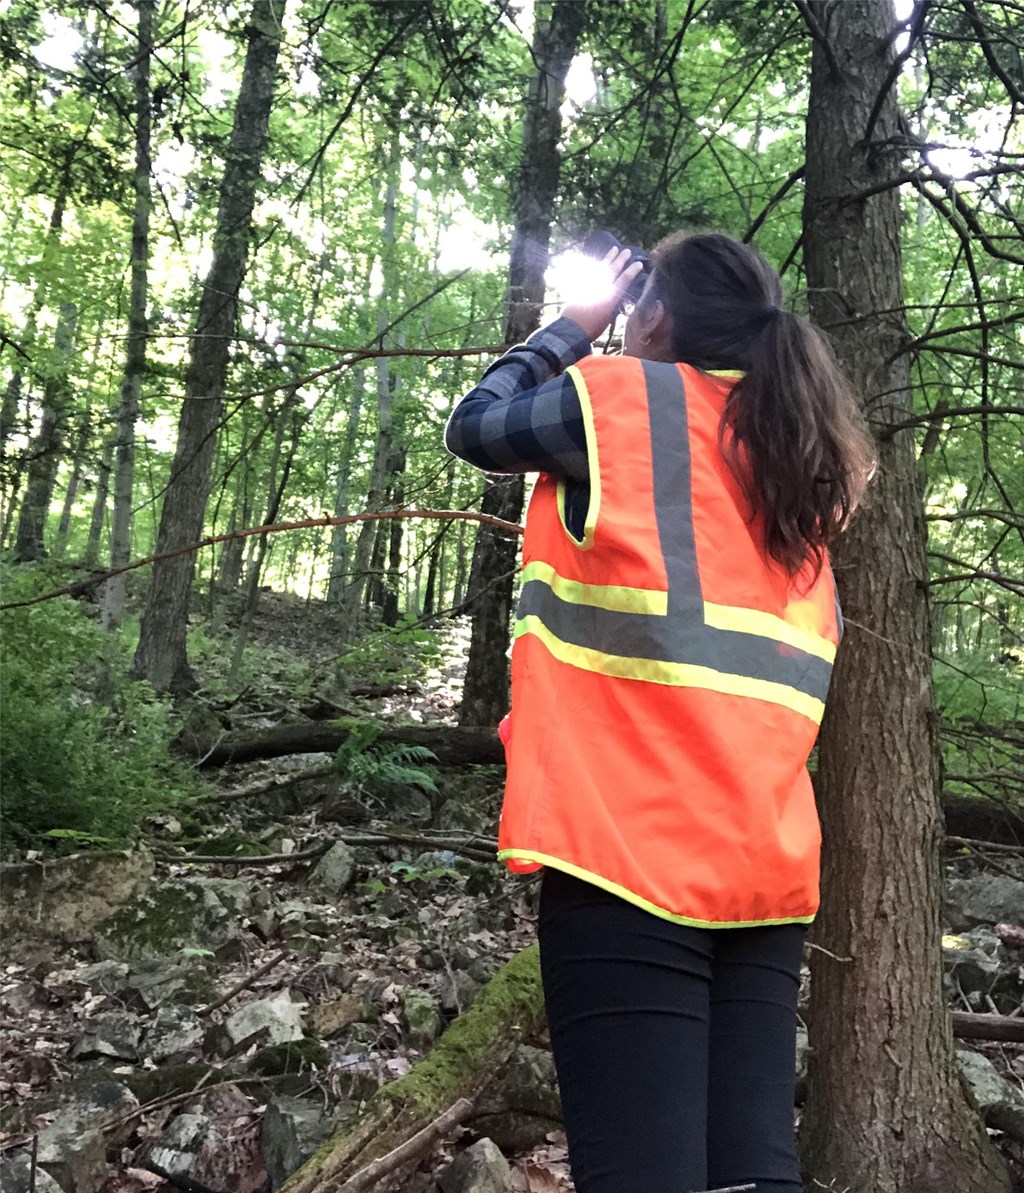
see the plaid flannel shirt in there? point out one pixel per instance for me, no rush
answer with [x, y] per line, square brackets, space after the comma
[524, 415]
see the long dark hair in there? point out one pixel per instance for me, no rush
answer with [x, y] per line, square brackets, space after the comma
[791, 429]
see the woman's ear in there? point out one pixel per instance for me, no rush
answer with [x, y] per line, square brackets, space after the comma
[649, 332]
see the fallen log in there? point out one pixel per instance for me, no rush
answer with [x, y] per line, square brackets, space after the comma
[1008, 1029]
[508, 1009]
[982, 820]
[454, 745]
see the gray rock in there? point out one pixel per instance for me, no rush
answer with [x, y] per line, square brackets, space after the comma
[62, 901]
[108, 977]
[275, 1020]
[983, 969]
[293, 1128]
[483, 969]
[153, 983]
[479, 1169]
[984, 899]
[458, 992]
[409, 805]
[233, 893]
[175, 1030]
[520, 1107]
[114, 1036]
[985, 1084]
[72, 1149]
[163, 921]
[16, 1175]
[295, 917]
[333, 872]
[180, 1145]
[803, 1051]
[421, 1016]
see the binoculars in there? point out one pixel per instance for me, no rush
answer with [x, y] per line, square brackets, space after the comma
[599, 244]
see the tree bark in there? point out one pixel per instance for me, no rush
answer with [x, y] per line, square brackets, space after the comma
[60, 540]
[340, 546]
[99, 505]
[46, 446]
[366, 541]
[485, 696]
[135, 356]
[289, 417]
[886, 1112]
[161, 656]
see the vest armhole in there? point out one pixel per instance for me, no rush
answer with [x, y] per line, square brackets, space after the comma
[593, 465]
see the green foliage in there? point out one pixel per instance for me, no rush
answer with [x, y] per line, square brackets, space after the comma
[267, 672]
[374, 768]
[85, 750]
[397, 655]
[410, 872]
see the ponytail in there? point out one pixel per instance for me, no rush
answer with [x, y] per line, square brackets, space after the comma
[795, 440]
[791, 430]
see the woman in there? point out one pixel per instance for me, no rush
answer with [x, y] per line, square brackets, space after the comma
[674, 641]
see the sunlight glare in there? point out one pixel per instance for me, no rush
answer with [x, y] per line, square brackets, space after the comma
[904, 10]
[577, 278]
[465, 242]
[61, 44]
[580, 84]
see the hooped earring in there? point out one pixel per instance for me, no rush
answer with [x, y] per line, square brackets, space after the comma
[645, 340]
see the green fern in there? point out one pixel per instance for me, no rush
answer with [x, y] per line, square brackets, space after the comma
[377, 768]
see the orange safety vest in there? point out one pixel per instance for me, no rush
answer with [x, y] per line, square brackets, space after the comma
[667, 680]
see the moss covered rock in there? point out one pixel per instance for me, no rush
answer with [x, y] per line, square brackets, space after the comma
[162, 921]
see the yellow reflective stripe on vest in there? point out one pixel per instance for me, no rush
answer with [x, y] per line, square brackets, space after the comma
[767, 625]
[613, 888]
[616, 597]
[678, 675]
[594, 505]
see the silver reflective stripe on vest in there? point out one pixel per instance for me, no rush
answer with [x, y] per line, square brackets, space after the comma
[694, 653]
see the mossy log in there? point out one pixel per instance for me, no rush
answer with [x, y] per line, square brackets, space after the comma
[454, 745]
[460, 1065]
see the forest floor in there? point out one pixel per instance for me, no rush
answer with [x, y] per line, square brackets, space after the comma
[348, 979]
[408, 920]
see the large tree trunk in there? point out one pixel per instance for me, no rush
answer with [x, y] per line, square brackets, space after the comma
[161, 657]
[135, 356]
[46, 446]
[885, 1112]
[485, 695]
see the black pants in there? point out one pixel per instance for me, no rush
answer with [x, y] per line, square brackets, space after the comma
[674, 1046]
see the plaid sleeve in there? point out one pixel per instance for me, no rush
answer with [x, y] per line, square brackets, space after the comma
[523, 416]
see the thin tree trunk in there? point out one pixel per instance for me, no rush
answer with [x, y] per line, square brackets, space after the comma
[393, 579]
[288, 417]
[135, 357]
[161, 656]
[339, 539]
[885, 1110]
[485, 693]
[44, 451]
[365, 549]
[99, 505]
[60, 541]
